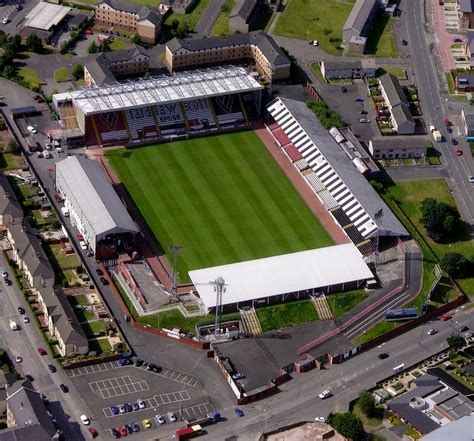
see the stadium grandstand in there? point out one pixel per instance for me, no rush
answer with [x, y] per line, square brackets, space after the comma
[163, 107]
[344, 192]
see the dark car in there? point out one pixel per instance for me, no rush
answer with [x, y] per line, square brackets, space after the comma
[383, 356]
[343, 89]
[8, 282]
[139, 362]
[404, 42]
[115, 433]
[18, 7]
[41, 351]
[154, 367]
[99, 272]
[239, 412]
[52, 368]
[64, 388]
[454, 142]
[21, 310]
[129, 428]
[450, 130]
[114, 410]
[135, 427]
[363, 112]
[135, 406]
[29, 377]
[128, 407]
[104, 281]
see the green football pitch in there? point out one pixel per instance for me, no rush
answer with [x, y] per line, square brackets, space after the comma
[223, 198]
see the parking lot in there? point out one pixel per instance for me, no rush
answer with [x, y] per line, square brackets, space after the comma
[167, 391]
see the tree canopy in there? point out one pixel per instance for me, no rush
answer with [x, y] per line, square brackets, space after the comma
[439, 218]
[455, 264]
[347, 424]
[367, 403]
[456, 341]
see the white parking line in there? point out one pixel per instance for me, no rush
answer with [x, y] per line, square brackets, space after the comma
[113, 387]
[93, 369]
[179, 377]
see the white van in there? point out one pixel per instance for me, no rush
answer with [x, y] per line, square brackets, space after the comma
[65, 211]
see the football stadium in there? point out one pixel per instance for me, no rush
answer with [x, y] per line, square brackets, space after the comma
[241, 206]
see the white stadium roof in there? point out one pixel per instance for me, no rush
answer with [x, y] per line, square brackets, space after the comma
[271, 276]
[99, 203]
[163, 89]
[46, 15]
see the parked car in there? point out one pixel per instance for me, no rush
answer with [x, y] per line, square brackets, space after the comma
[146, 424]
[115, 433]
[4, 274]
[462, 328]
[320, 419]
[172, 417]
[324, 394]
[363, 112]
[141, 404]
[458, 152]
[21, 310]
[454, 142]
[114, 410]
[104, 281]
[343, 89]
[139, 362]
[64, 388]
[159, 419]
[239, 412]
[29, 377]
[404, 42]
[315, 43]
[86, 421]
[93, 432]
[18, 7]
[41, 351]
[18, 359]
[446, 317]
[364, 120]
[129, 428]
[135, 427]
[135, 407]
[8, 282]
[471, 179]
[383, 355]
[83, 245]
[122, 431]
[431, 331]
[458, 40]
[128, 407]
[52, 368]
[31, 129]
[122, 409]
[99, 272]
[359, 99]
[238, 376]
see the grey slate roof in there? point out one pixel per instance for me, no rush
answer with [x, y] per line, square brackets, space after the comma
[95, 195]
[99, 65]
[351, 64]
[393, 89]
[29, 411]
[261, 39]
[243, 8]
[359, 14]
[143, 12]
[466, 5]
[9, 206]
[357, 184]
[402, 114]
[400, 142]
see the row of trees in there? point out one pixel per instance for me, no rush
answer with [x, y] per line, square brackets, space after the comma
[95, 48]
[328, 117]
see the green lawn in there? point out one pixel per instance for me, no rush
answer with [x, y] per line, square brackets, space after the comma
[192, 17]
[100, 345]
[11, 161]
[84, 315]
[30, 76]
[61, 75]
[91, 328]
[375, 331]
[221, 25]
[286, 314]
[320, 20]
[222, 198]
[118, 44]
[399, 72]
[380, 42]
[343, 302]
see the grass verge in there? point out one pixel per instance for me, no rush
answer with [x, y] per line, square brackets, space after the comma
[286, 314]
[343, 302]
[61, 75]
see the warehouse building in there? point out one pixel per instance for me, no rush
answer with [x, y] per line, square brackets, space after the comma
[276, 279]
[94, 207]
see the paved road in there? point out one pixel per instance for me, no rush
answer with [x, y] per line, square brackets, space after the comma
[68, 407]
[209, 16]
[298, 400]
[434, 102]
[414, 172]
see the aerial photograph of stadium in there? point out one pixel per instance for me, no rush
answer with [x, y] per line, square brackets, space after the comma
[237, 219]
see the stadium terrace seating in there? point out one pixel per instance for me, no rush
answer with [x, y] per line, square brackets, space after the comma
[111, 126]
[292, 152]
[341, 217]
[366, 248]
[228, 110]
[273, 126]
[249, 104]
[354, 234]
[141, 120]
[91, 139]
[302, 165]
[170, 118]
[314, 181]
[199, 114]
[328, 201]
[281, 137]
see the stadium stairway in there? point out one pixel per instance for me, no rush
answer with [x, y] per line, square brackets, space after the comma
[250, 321]
[322, 307]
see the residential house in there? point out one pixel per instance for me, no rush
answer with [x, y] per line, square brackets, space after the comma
[469, 47]
[179, 6]
[10, 209]
[465, 14]
[244, 15]
[464, 82]
[338, 70]
[468, 119]
[359, 23]
[400, 115]
[130, 17]
[255, 47]
[106, 67]
[391, 147]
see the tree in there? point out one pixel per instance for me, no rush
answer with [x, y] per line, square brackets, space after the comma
[12, 145]
[33, 43]
[367, 403]
[455, 264]
[93, 49]
[15, 43]
[9, 71]
[77, 72]
[104, 46]
[347, 424]
[182, 29]
[136, 39]
[456, 341]
[439, 218]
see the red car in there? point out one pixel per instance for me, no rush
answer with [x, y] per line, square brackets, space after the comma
[458, 152]
[89, 32]
[79, 236]
[93, 432]
[122, 431]
[446, 317]
[447, 122]
[41, 351]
